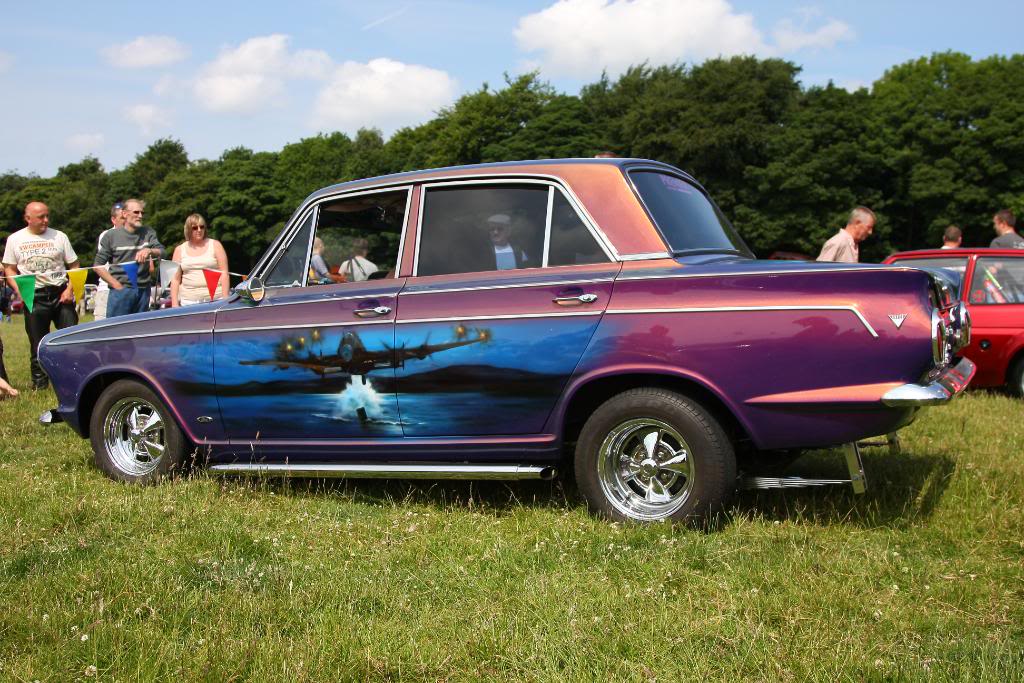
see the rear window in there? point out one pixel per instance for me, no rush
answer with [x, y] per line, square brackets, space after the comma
[952, 267]
[686, 218]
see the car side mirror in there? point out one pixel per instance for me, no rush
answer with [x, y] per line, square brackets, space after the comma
[251, 290]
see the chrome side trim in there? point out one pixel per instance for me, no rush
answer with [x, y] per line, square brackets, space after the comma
[517, 285]
[768, 483]
[767, 273]
[117, 322]
[547, 227]
[304, 326]
[97, 340]
[384, 471]
[328, 299]
[646, 257]
[736, 309]
[943, 389]
[514, 316]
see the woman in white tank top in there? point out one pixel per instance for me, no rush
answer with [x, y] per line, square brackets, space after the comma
[198, 252]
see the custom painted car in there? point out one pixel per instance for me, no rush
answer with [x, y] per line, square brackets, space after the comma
[991, 284]
[508, 320]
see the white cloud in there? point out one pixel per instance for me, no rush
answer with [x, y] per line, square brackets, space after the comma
[6, 61]
[853, 85]
[583, 37]
[790, 38]
[147, 117]
[84, 143]
[382, 93]
[246, 78]
[145, 52]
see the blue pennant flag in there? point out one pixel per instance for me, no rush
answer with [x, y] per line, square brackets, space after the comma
[131, 269]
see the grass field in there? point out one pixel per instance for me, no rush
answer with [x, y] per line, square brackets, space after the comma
[221, 580]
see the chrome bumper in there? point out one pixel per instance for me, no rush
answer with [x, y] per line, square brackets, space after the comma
[943, 390]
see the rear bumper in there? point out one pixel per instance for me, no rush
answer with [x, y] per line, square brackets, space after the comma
[943, 389]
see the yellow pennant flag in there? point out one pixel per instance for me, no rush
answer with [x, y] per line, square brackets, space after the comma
[77, 278]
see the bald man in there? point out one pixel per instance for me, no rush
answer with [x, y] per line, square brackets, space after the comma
[37, 249]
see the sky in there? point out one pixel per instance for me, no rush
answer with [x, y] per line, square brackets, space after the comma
[106, 79]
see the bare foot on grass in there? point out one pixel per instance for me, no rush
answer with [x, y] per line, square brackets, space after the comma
[6, 390]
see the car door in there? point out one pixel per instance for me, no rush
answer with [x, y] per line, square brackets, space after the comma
[996, 300]
[509, 284]
[313, 363]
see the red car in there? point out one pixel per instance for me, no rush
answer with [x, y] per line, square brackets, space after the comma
[991, 283]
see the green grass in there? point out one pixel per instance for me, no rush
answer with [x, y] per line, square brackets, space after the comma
[218, 580]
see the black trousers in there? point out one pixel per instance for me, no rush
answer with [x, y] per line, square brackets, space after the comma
[46, 310]
[3, 370]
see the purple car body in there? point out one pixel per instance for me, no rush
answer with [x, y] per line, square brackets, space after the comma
[441, 370]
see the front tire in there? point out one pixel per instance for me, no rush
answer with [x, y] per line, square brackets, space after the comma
[649, 455]
[134, 436]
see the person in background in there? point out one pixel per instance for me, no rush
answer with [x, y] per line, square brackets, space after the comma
[844, 246]
[39, 250]
[133, 242]
[6, 296]
[5, 388]
[507, 256]
[358, 268]
[198, 252]
[99, 308]
[952, 237]
[1005, 225]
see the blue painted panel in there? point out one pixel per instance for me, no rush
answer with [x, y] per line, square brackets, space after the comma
[505, 382]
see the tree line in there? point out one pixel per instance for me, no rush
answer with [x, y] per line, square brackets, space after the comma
[935, 141]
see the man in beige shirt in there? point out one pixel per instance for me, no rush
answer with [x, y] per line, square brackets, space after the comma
[844, 246]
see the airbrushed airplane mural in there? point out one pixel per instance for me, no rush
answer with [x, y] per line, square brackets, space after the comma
[352, 357]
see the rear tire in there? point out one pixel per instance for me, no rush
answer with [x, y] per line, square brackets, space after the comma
[134, 436]
[1015, 378]
[650, 455]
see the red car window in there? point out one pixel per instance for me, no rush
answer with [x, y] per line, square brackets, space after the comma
[998, 280]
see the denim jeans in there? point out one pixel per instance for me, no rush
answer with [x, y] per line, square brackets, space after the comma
[127, 300]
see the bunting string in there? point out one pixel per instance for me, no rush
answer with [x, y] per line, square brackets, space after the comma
[77, 276]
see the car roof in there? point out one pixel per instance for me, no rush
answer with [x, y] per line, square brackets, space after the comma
[538, 166]
[961, 252]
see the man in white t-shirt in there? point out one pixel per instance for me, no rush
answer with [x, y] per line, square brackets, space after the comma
[99, 309]
[39, 250]
[358, 268]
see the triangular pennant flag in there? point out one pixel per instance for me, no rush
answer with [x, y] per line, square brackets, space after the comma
[131, 269]
[77, 278]
[212, 281]
[27, 289]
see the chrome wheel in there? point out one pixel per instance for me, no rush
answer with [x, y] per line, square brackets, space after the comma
[133, 435]
[645, 469]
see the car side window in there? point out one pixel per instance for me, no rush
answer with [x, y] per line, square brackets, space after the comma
[357, 238]
[288, 270]
[474, 228]
[571, 241]
[998, 280]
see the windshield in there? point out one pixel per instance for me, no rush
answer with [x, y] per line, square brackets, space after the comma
[951, 267]
[686, 218]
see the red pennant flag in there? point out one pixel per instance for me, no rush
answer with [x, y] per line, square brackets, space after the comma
[212, 281]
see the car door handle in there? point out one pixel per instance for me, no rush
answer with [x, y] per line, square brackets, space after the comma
[374, 312]
[575, 300]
